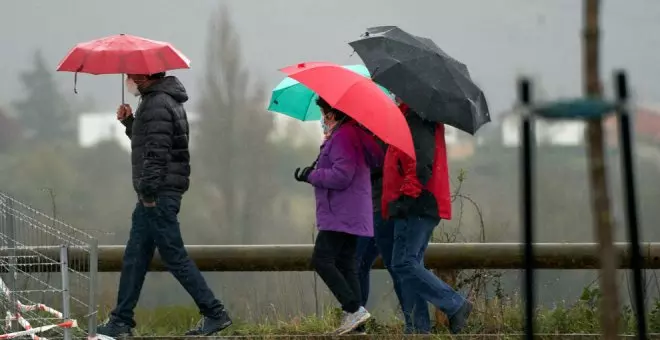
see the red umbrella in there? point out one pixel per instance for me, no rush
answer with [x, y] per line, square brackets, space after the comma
[123, 54]
[359, 97]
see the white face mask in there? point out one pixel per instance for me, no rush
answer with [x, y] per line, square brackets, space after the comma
[132, 87]
[324, 126]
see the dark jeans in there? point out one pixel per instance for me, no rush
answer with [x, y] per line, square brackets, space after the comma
[366, 255]
[158, 227]
[411, 238]
[414, 307]
[334, 261]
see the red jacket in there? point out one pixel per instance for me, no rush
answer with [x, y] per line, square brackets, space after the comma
[427, 179]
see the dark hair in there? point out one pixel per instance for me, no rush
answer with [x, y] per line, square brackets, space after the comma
[156, 76]
[325, 107]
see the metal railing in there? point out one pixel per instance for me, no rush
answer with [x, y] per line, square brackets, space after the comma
[262, 258]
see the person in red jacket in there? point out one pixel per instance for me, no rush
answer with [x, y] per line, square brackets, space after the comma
[416, 196]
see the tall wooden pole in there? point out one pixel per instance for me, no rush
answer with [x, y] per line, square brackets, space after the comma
[598, 178]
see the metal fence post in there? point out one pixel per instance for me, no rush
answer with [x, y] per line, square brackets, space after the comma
[66, 297]
[93, 286]
[11, 244]
[627, 167]
[528, 143]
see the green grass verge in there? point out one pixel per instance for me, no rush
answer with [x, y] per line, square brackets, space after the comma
[490, 317]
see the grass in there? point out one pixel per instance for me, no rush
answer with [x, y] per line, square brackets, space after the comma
[494, 316]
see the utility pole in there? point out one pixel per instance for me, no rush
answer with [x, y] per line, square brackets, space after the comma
[598, 177]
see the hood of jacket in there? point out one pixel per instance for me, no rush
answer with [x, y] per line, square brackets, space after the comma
[169, 85]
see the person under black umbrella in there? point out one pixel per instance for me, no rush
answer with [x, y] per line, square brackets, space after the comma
[416, 197]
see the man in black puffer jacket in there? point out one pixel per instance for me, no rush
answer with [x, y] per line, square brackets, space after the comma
[161, 170]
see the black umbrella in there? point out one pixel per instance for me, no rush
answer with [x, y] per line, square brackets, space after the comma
[437, 86]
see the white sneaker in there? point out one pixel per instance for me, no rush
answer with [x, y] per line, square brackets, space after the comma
[352, 320]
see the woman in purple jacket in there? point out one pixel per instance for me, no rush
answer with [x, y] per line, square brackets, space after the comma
[342, 187]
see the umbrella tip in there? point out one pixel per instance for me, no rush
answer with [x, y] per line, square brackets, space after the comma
[301, 65]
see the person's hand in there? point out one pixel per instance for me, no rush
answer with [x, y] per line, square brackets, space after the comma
[124, 111]
[401, 207]
[303, 175]
[148, 202]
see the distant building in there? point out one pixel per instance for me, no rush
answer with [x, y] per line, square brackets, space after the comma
[646, 123]
[547, 132]
[460, 144]
[96, 127]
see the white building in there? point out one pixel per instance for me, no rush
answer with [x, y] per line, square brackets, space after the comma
[96, 127]
[547, 132]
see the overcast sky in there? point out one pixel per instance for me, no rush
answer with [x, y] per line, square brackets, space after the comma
[498, 40]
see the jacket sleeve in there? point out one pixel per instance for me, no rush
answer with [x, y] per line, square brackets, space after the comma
[128, 123]
[416, 174]
[374, 154]
[343, 157]
[159, 131]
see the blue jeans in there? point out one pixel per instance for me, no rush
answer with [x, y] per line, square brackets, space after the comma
[411, 238]
[158, 227]
[414, 308]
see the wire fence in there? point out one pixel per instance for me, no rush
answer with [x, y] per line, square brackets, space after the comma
[48, 275]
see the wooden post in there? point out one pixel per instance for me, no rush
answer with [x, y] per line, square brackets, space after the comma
[599, 194]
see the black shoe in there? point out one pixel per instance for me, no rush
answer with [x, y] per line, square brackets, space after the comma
[458, 321]
[114, 329]
[208, 326]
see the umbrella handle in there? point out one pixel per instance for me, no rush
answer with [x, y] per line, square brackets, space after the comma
[122, 89]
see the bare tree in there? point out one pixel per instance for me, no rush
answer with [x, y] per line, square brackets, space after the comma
[235, 151]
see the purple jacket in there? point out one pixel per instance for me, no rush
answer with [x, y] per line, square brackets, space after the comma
[342, 181]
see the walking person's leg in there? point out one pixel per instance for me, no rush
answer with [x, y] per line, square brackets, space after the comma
[346, 263]
[137, 256]
[412, 305]
[328, 248]
[412, 236]
[167, 235]
[366, 255]
[417, 308]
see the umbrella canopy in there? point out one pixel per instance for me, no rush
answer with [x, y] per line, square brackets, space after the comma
[435, 85]
[358, 97]
[123, 53]
[294, 99]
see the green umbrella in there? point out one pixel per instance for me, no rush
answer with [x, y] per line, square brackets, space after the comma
[296, 100]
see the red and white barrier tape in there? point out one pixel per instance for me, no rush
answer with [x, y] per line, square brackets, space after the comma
[32, 332]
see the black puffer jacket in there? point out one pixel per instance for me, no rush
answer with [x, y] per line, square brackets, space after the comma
[159, 141]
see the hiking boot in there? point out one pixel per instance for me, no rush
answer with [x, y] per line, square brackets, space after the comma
[458, 321]
[114, 329]
[208, 326]
[353, 320]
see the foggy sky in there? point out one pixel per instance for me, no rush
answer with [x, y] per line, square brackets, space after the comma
[498, 40]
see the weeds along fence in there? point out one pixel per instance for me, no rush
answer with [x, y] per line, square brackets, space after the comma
[48, 274]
